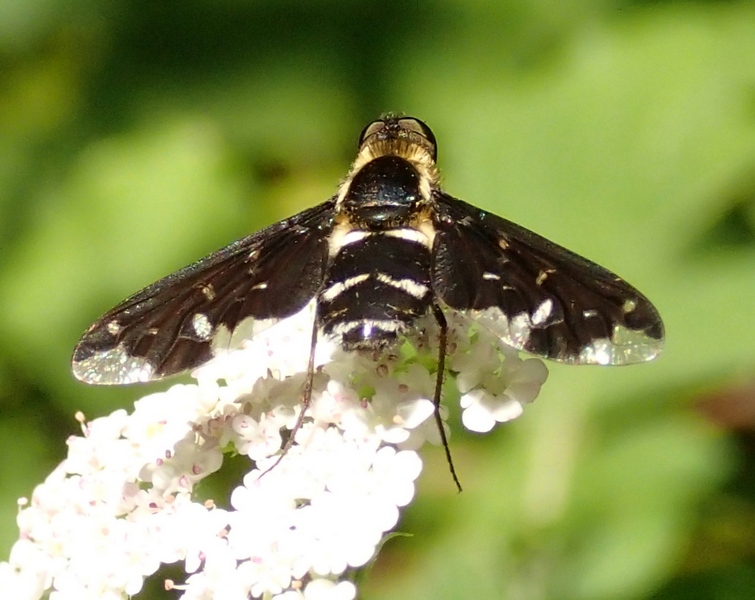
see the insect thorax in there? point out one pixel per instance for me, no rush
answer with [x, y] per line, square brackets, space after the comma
[383, 194]
[378, 279]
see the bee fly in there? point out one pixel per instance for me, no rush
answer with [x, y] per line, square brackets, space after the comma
[388, 248]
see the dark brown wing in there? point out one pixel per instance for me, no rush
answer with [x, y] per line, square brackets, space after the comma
[536, 295]
[170, 326]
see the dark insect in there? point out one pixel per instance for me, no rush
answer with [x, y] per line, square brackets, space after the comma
[388, 248]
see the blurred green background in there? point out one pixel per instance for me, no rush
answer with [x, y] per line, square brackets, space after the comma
[138, 136]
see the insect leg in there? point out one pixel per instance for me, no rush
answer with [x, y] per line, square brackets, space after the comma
[443, 346]
[306, 393]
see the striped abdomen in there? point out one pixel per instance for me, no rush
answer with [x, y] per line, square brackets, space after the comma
[377, 284]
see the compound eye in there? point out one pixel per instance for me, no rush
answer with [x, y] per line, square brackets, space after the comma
[370, 130]
[415, 125]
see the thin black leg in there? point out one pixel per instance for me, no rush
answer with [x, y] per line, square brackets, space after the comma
[443, 324]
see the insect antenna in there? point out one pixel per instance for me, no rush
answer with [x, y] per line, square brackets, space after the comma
[443, 346]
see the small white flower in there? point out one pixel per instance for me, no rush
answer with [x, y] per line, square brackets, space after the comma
[180, 470]
[325, 589]
[483, 410]
[256, 439]
[24, 576]
[497, 392]
[334, 402]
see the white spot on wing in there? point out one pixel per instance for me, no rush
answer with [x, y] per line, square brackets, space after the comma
[208, 291]
[113, 367]
[625, 347]
[543, 275]
[202, 326]
[491, 276]
[629, 305]
[541, 314]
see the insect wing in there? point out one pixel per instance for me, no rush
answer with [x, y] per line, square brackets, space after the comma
[536, 295]
[170, 326]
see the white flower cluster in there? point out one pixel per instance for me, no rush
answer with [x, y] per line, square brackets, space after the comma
[123, 501]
